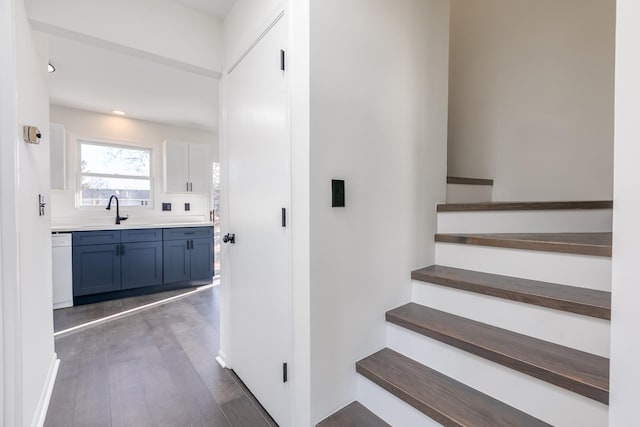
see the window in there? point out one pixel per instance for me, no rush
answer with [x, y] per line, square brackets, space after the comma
[106, 170]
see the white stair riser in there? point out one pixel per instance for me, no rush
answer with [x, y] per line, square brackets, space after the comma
[463, 193]
[552, 404]
[552, 221]
[392, 410]
[567, 329]
[568, 269]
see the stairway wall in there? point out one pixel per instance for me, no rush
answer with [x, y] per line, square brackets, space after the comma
[531, 97]
[378, 121]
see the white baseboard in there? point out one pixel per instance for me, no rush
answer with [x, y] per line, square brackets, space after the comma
[47, 391]
[222, 359]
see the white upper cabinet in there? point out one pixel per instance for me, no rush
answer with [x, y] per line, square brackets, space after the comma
[57, 159]
[187, 168]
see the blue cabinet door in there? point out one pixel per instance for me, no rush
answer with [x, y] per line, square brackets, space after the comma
[96, 269]
[141, 264]
[201, 259]
[177, 262]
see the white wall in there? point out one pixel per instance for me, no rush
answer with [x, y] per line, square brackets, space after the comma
[531, 97]
[10, 393]
[625, 316]
[379, 72]
[170, 30]
[34, 245]
[246, 20]
[80, 124]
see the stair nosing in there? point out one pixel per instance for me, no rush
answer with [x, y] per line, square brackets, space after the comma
[469, 181]
[434, 275]
[459, 390]
[566, 380]
[525, 206]
[507, 240]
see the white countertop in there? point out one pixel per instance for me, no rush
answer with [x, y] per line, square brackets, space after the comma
[125, 226]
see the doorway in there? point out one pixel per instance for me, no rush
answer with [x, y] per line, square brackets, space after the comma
[257, 139]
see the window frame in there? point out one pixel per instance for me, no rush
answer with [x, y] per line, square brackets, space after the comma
[115, 144]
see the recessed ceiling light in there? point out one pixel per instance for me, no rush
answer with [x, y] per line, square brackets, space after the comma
[119, 113]
[51, 68]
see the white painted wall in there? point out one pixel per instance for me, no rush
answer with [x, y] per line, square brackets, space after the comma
[379, 74]
[80, 124]
[34, 238]
[10, 376]
[531, 97]
[625, 316]
[244, 23]
[170, 30]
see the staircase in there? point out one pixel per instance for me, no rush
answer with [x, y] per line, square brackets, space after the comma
[510, 327]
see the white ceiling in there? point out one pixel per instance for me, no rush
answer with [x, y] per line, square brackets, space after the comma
[101, 80]
[215, 8]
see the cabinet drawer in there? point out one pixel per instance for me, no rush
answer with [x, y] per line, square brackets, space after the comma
[187, 233]
[82, 238]
[141, 235]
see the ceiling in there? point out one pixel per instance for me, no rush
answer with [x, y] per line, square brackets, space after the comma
[101, 80]
[214, 8]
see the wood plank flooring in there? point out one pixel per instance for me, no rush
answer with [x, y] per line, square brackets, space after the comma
[597, 244]
[153, 368]
[524, 206]
[65, 318]
[588, 302]
[444, 399]
[574, 370]
[353, 415]
[468, 181]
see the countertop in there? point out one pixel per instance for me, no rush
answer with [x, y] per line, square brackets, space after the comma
[125, 226]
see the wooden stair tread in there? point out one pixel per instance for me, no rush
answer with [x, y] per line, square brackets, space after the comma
[597, 244]
[468, 181]
[574, 370]
[444, 399]
[353, 415]
[524, 206]
[589, 302]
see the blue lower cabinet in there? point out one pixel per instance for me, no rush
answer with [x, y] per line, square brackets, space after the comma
[96, 269]
[177, 261]
[201, 259]
[141, 264]
[120, 260]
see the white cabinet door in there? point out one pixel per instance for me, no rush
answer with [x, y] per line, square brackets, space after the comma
[176, 167]
[200, 173]
[57, 159]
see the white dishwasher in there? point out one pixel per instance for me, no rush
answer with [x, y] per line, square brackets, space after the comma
[62, 270]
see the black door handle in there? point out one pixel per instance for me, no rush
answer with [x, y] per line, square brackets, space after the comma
[229, 238]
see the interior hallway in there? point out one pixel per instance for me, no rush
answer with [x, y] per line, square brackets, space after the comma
[153, 368]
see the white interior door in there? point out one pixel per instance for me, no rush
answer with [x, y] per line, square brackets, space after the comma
[257, 132]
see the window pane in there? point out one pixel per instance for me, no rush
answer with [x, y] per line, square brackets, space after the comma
[131, 192]
[115, 160]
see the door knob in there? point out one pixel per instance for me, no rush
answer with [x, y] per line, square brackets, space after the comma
[229, 238]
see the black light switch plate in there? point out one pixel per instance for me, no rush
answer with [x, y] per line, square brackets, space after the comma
[187, 206]
[337, 193]
[166, 206]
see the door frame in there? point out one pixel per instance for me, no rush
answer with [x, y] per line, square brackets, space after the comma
[10, 299]
[225, 306]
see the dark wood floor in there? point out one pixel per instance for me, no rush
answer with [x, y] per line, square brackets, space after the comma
[153, 368]
[65, 318]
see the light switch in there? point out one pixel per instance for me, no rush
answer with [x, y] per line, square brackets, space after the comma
[337, 193]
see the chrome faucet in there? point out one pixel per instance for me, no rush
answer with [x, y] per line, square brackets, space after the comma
[118, 217]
